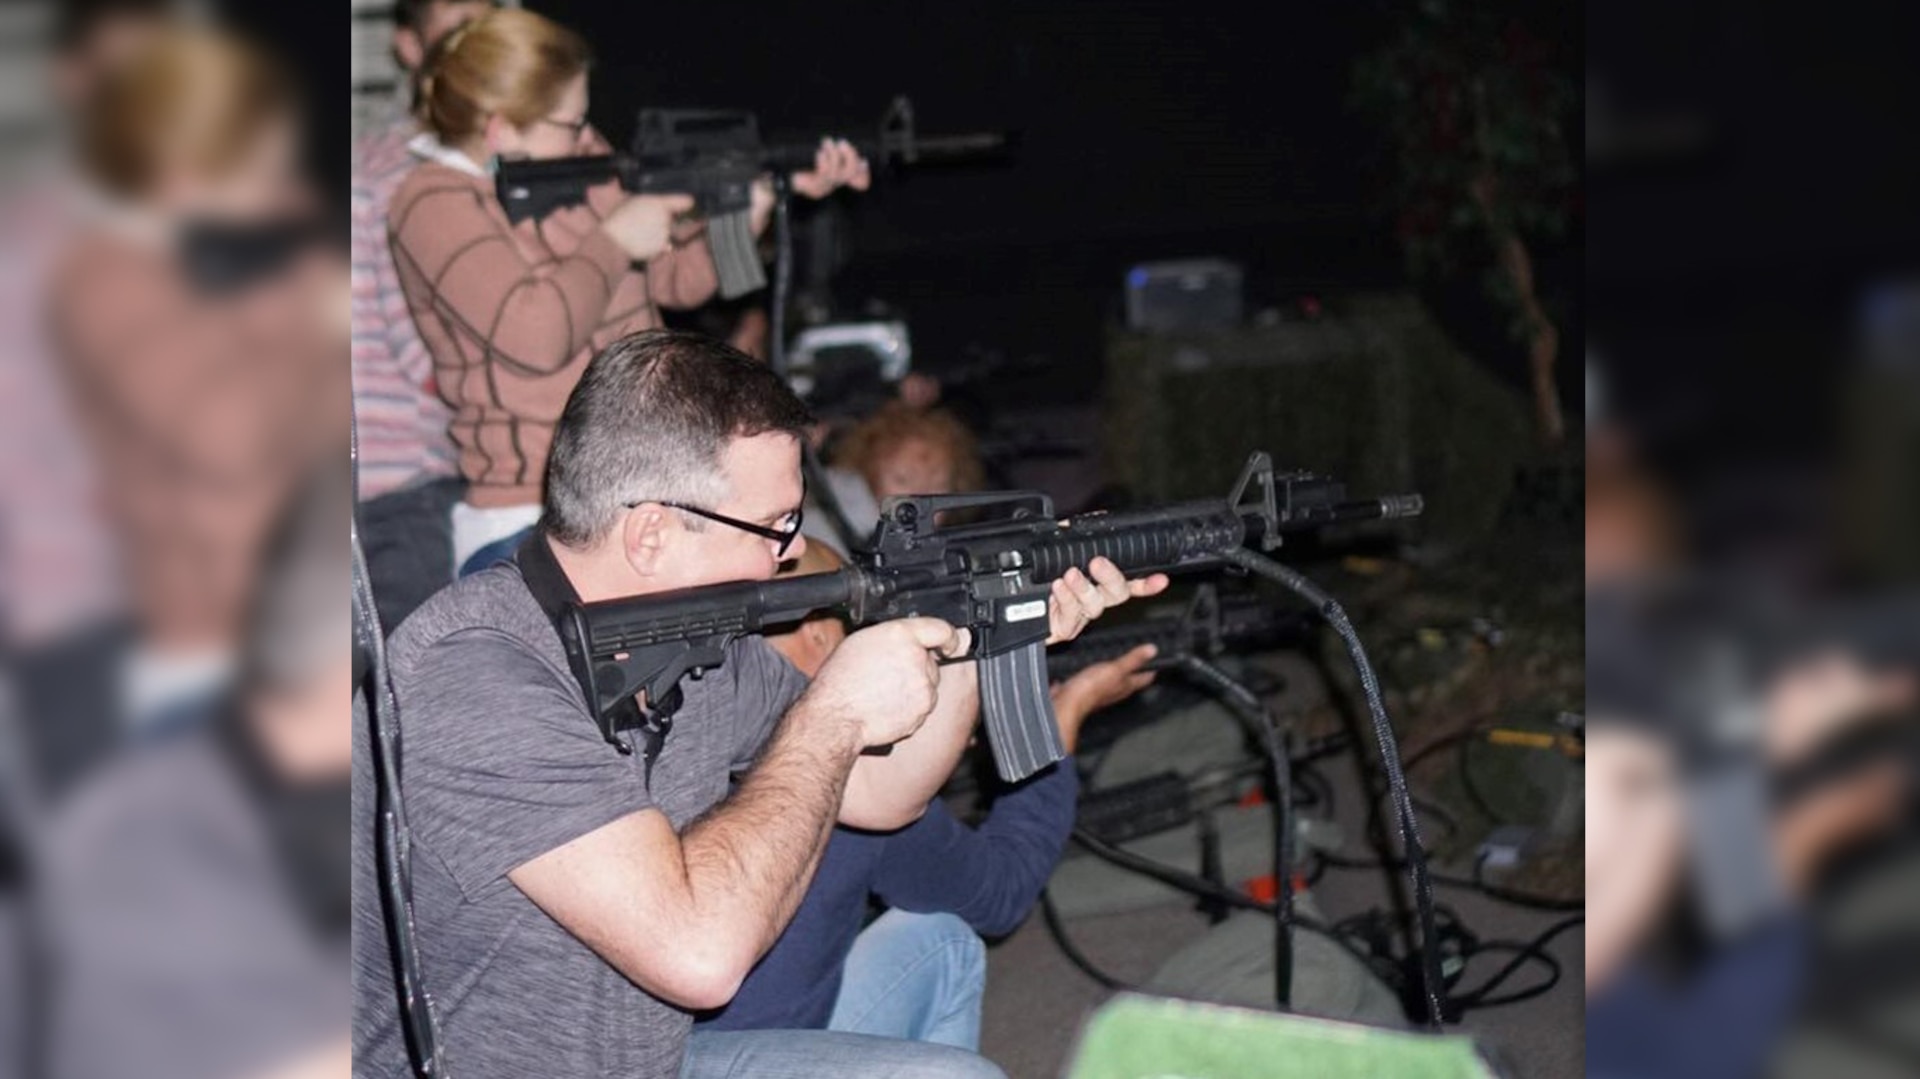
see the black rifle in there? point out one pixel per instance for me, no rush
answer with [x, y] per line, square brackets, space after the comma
[1206, 627]
[1163, 800]
[992, 578]
[715, 155]
[223, 257]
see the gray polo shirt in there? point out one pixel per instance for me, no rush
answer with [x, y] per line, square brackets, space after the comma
[502, 762]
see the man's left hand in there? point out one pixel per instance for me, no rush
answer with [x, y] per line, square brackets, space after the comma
[837, 164]
[1100, 685]
[1079, 598]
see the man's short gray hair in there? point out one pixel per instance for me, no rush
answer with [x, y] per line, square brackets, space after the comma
[648, 422]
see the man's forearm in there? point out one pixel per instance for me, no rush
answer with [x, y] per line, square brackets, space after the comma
[749, 860]
[892, 790]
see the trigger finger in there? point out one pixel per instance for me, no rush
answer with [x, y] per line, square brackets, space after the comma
[960, 645]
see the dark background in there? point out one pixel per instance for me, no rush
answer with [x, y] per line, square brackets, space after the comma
[307, 38]
[1727, 275]
[1148, 130]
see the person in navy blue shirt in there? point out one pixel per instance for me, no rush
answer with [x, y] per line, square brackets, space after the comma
[1723, 1017]
[919, 970]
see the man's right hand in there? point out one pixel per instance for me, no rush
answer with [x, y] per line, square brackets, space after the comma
[885, 678]
[643, 225]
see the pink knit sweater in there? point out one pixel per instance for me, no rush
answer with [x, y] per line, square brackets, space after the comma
[512, 313]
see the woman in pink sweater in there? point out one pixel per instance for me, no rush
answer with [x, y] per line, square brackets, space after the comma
[207, 380]
[511, 313]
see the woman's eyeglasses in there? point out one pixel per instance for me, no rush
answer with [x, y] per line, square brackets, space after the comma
[576, 127]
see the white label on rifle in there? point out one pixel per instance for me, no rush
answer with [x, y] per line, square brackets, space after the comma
[1020, 612]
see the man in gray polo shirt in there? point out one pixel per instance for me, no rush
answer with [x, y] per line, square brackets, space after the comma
[554, 875]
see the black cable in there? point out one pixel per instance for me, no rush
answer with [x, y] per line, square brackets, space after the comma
[782, 276]
[1477, 883]
[1439, 812]
[1472, 789]
[1416, 857]
[1317, 868]
[1321, 789]
[394, 840]
[1073, 953]
[1378, 928]
[1200, 886]
[1433, 809]
[1166, 874]
[1461, 742]
[1318, 787]
[1252, 709]
[1428, 806]
[1545, 986]
[1431, 748]
[1534, 949]
[1319, 748]
[1439, 1002]
[1478, 880]
[1056, 926]
[810, 467]
[1539, 902]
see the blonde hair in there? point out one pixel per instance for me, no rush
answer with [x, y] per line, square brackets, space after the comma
[508, 62]
[193, 99]
[897, 423]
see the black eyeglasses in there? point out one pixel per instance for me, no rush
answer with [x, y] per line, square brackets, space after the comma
[783, 536]
[575, 126]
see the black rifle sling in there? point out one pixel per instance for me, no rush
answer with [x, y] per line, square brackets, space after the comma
[548, 583]
[1021, 728]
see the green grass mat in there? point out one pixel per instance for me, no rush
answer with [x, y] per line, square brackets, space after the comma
[1134, 1037]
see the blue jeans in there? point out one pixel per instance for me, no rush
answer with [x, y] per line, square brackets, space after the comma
[822, 1054]
[408, 538]
[919, 977]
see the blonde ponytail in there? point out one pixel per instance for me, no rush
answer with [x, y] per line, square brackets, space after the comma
[509, 62]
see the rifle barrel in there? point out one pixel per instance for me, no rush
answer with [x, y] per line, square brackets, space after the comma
[1384, 508]
[978, 145]
[973, 144]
